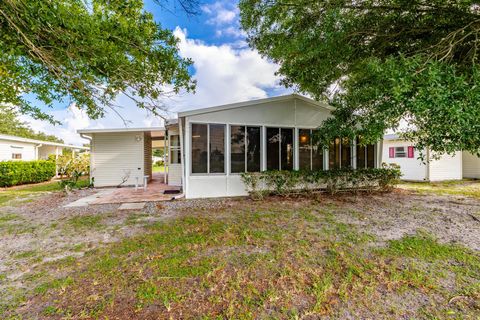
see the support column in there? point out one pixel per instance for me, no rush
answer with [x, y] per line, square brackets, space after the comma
[56, 161]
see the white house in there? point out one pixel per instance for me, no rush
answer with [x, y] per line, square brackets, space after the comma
[23, 149]
[447, 167]
[209, 148]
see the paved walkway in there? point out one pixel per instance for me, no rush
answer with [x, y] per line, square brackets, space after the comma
[155, 192]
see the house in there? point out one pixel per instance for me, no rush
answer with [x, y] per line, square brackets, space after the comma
[24, 149]
[446, 167]
[209, 148]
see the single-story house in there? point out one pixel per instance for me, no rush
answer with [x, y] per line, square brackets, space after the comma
[208, 148]
[447, 167]
[24, 149]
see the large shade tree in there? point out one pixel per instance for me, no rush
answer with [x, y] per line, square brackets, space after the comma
[87, 52]
[384, 64]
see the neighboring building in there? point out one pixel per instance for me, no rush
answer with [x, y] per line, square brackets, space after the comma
[24, 149]
[209, 148]
[447, 167]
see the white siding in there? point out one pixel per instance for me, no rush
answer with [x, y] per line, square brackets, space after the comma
[294, 113]
[446, 168]
[412, 168]
[8, 147]
[117, 155]
[471, 165]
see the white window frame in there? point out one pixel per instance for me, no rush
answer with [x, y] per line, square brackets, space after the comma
[397, 152]
[229, 142]
[208, 150]
[280, 146]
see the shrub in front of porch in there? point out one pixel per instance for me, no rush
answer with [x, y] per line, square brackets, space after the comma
[285, 183]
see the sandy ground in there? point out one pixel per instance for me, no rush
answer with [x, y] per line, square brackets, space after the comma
[43, 230]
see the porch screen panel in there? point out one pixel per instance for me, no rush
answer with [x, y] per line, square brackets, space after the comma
[304, 149]
[361, 152]
[317, 158]
[371, 156]
[273, 148]
[334, 154]
[199, 148]
[237, 149]
[253, 149]
[346, 153]
[286, 153]
[217, 148]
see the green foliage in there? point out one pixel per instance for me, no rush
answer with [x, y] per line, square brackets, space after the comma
[394, 60]
[86, 52]
[286, 183]
[72, 168]
[11, 125]
[14, 173]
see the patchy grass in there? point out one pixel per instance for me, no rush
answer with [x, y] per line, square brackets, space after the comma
[156, 168]
[27, 193]
[85, 222]
[468, 188]
[254, 260]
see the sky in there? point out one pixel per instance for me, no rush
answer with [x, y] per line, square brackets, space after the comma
[225, 68]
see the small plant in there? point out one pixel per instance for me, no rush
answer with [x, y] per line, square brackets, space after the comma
[72, 168]
[286, 183]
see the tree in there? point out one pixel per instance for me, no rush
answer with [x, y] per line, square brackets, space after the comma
[381, 63]
[11, 125]
[87, 52]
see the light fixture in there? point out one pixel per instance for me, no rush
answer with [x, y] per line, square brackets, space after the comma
[138, 138]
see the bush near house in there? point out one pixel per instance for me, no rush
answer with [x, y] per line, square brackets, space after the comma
[14, 173]
[287, 183]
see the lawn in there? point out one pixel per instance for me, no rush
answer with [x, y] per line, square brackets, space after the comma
[470, 188]
[26, 193]
[350, 256]
[156, 168]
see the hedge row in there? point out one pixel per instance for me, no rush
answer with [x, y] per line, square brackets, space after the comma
[14, 173]
[287, 183]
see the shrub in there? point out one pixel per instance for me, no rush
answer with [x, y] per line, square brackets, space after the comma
[14, 173]
[286, 183]
[73, 168]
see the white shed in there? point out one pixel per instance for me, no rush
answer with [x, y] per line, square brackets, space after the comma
[24, 149]
[403, 153]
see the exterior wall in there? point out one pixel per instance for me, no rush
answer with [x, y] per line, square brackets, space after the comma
[294, 113]
[147, 152]
[412, 168]
[174, 169]
[471, 165]
[7, 147]
[446, 168]
[115, 156]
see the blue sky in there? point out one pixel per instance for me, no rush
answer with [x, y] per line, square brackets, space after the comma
[225, 68]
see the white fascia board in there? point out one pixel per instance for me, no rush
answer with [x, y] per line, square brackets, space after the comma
[45, 143]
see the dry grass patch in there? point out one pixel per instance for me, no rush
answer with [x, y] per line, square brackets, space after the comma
[275, 259]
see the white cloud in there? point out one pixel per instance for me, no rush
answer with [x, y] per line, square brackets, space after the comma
[226, 73]
[225, 16]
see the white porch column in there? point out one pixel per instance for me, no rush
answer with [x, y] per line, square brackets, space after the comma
[165, 157]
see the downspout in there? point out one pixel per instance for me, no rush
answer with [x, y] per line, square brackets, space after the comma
[91, 154]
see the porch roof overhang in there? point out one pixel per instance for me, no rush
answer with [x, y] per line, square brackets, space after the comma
[155, 132]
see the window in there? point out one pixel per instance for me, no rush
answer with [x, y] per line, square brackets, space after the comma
[217, 148]
[175, 154]
[237, 149]
[253, 149]
[199, 148]
[245, 149]
[310, 156]
[279, 149]
[400, 152]
[16, 156]
[340, 154]
[208, 148]
[365, 155]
